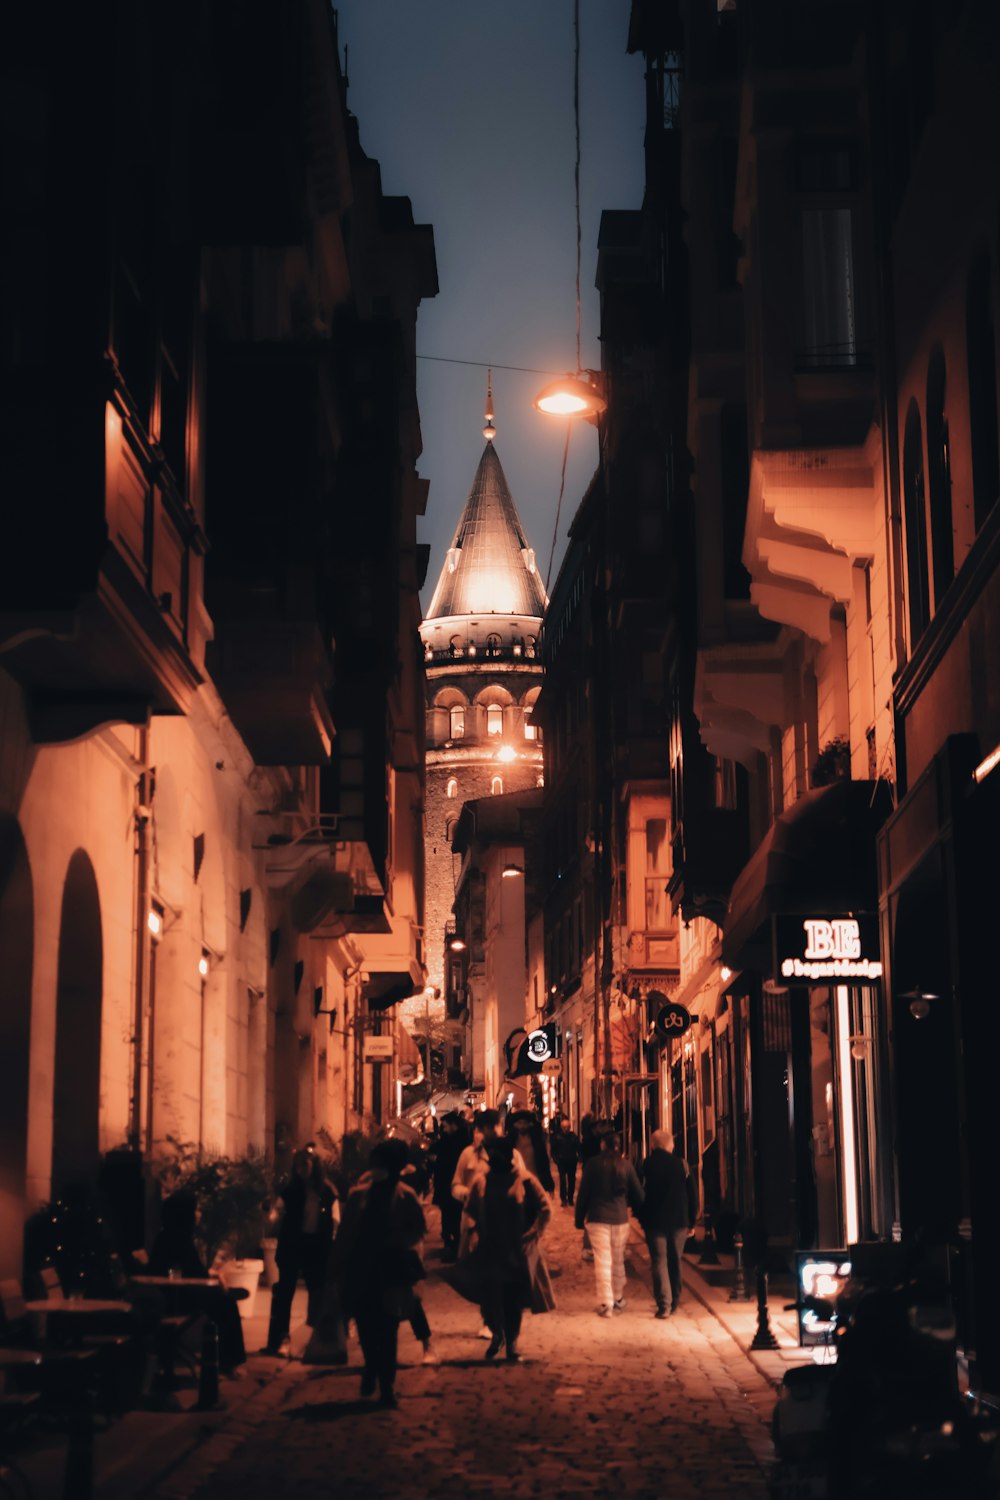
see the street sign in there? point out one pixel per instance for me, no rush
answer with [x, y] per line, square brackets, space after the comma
[552, 1067]
[378, 1048]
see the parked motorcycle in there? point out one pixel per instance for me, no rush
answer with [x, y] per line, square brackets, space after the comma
[885, 1420]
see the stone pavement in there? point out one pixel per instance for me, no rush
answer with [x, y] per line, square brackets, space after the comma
[628, 1406]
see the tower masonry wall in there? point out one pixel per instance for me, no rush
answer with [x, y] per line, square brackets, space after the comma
[475, 779]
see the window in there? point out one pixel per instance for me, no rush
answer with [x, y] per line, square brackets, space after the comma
[657, 871]
[725, 784]
[494, 719]
[939, 479]
[496, 788]
[981, 351]
[457, 723]
[828, 312]
[452, 787]
[530, 730]
[915, 516]
[493, 645]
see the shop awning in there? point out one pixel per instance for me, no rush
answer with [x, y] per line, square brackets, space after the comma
[409, 1061]
[818, 858]
[383, 989]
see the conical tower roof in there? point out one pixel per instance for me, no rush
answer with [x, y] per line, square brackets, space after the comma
[489, 569]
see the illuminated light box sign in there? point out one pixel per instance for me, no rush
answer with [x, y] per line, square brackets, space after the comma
[820, 1276]
[815, 948]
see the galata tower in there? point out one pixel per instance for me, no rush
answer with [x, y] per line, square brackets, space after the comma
[484, 673]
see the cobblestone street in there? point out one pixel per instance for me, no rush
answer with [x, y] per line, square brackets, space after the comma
[629, 1406]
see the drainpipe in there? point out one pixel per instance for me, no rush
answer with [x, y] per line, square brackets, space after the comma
[139, 1120]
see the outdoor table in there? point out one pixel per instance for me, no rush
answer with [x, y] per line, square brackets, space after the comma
[73, 1313]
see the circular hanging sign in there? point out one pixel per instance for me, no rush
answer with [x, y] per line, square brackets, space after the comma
[539, 1045]
[672, 1020]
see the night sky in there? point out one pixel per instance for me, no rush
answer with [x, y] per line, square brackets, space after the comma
[468, 108]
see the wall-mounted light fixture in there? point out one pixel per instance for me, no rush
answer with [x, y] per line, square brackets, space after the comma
[458, 945]
[572, 395]
[860, 1047]
[509, 871]
[318, 1007]
[920, 1001]
[725, 973]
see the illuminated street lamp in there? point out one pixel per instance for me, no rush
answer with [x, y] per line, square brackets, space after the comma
[572, 396]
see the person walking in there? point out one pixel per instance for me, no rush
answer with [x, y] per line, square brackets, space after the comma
[669, 1210]
[378, 1261]
[305, 1210]
[473, 1163]
[450, 1144]
[564, 1144]
[608, 1188]
[510, 1210]
[525, 1130]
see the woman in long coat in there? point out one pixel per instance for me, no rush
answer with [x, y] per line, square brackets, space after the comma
[509, 1211]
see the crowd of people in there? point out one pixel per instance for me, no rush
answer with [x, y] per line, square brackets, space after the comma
[359, 1246]
[492, 1181]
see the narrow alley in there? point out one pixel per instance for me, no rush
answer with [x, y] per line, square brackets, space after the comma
[630, 1406]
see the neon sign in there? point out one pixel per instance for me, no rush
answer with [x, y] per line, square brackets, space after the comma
[828, 948]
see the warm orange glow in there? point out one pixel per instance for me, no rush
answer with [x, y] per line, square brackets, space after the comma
[506, 753]
[155, 923]
[203, 966]
[509, 871]
[986, 766]
[571, 396]
[457, 945]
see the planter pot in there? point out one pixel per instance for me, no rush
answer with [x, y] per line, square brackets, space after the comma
[245, 1274]
[269, 1249]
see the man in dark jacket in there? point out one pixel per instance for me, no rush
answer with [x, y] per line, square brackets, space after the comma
[450, 1144]
[667, 1214]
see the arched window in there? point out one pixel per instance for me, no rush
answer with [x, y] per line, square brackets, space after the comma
[457, 723]
[915, 515]
[939, 479]
[496, 788]
[530, 730]
[494, 719]
[452, 787]
[539, 780]
[449, 829]
[492, 645]
[529, 646]
[980, 342]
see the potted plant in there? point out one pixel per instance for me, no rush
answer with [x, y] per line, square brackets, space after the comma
[233, 1197]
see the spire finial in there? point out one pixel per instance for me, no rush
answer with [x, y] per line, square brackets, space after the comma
[489, 431]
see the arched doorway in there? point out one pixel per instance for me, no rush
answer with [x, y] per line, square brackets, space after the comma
[77, 1093]
[16, 945]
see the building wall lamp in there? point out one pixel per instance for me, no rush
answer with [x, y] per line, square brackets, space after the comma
[920, 1002]
[578, 395]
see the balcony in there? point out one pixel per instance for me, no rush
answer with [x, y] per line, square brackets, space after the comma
[101, 619]
[273, 676]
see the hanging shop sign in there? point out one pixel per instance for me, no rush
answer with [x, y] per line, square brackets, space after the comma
[378, 1048]
[532, 1053]
[810, 949]
[671, 1020]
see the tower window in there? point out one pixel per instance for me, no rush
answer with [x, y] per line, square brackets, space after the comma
[496, 789]
[457, 723]
[494, 720]
[530, 731]
[452, 787]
